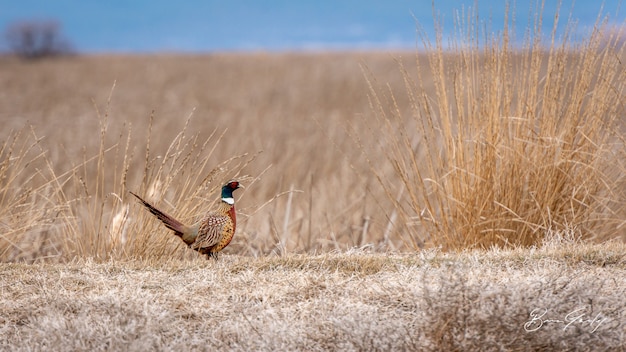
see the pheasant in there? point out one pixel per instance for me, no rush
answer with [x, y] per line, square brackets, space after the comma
[211, 234]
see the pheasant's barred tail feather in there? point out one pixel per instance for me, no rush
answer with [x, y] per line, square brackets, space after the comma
[179, 228]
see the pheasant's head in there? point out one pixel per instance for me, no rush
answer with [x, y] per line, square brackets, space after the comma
[227, 191]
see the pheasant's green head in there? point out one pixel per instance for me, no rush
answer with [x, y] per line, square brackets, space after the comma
[227, 192]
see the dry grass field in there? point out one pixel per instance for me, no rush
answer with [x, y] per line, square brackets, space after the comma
[180, 126]
[462, 198]
[561, 296]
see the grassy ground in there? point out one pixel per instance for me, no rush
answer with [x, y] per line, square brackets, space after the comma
[562, 296]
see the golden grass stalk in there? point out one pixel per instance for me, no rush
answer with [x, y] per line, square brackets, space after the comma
[27, 209]
[506, 143]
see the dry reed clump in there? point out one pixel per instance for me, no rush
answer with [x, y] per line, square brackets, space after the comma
[29, 207]
[508, 143]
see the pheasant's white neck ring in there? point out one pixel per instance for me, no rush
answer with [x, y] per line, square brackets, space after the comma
[230, 201]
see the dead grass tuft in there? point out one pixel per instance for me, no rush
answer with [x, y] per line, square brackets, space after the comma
[507, 143]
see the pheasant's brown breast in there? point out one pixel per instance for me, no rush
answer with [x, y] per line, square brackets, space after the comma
[228, 236]
[229, 230]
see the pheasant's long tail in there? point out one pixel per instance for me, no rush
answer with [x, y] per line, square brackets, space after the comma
[178, 227]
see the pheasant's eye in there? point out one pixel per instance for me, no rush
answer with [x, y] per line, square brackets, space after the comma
[234, 185]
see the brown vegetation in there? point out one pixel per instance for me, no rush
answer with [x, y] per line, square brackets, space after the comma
[506, 143]
[173, 129]
[331, 167]
[380, 192]
[426, 301]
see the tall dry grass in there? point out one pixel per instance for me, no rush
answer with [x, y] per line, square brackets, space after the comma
[85, 211]
[93, 143]
[469, 146]
[508, 143]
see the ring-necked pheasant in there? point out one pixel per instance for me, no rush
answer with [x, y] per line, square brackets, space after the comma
[211, 234]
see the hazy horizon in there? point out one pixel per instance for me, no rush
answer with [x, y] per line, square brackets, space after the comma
[207, 26]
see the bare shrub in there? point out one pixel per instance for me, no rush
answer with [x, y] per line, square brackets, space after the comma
[37, 39]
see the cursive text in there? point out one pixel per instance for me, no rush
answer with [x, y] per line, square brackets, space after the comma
[539, 319]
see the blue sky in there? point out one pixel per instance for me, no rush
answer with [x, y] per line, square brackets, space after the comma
[241, 25]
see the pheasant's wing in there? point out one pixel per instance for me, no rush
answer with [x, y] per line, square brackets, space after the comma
[210, 231]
